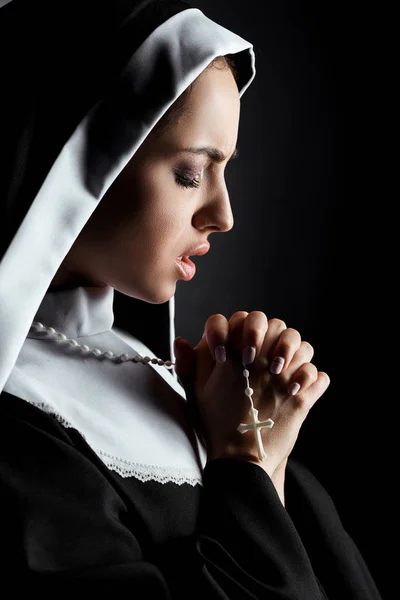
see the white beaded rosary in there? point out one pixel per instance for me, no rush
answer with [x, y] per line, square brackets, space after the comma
[255, 424]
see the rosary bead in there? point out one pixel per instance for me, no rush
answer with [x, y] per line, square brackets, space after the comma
[96, 351]
[168, 363]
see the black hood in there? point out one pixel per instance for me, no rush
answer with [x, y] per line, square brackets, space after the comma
[83, 84]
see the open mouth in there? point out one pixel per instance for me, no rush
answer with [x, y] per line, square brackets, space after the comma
[186, 266]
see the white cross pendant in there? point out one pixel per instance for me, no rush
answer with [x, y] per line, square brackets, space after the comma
[256, 426]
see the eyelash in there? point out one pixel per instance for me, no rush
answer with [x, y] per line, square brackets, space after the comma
[186, 182]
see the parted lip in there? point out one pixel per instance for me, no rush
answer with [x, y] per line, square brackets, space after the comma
[197, 251]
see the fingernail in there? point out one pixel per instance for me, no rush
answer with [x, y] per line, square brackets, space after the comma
[277, 365]
[220, 354]
[248, 355]
[293, 388]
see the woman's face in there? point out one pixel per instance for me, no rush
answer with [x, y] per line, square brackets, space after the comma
[164, 202]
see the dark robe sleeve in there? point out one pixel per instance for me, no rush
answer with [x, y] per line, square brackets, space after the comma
[335, 557]
[64, 524]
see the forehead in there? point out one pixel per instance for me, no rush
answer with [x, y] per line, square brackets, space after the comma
[210, 114]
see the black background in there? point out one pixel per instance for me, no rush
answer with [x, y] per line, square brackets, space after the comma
[295, 251]
[313, 238]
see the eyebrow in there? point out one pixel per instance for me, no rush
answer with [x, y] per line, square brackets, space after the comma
[213, 153]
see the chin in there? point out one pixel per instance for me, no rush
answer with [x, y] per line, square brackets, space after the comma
[158, 289]
[159, 298]
[152, 295]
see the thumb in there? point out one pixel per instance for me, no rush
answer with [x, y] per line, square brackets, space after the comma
[185, 368]
[184, 359]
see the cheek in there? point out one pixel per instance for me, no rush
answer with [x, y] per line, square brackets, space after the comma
[166, 211]
[150, 235]
[168, 232]
[153, 214]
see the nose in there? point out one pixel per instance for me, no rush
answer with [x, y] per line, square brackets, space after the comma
[217, 212]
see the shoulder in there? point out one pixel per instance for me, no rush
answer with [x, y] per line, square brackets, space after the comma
[18, 415]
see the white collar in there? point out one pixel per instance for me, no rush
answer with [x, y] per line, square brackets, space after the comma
[134, 416]
[77, 312]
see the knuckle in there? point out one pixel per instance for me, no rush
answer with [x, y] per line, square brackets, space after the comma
[239, 314]
[278, 323]
[216, 328]
[214, 320]
[258, 313]
[325, 377]
[307, 346]
[254, 328]
[293, 332]
[299, 403]
[310, 372]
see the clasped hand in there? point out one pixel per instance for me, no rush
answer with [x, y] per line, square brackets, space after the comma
[285, 385]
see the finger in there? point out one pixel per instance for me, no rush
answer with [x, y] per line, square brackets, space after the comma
[305, 376]
[254, 329]
[303, 355]
[184, 359]
[236, 323]
[205, 363]
[288, 343]
[306, 399]
[275, 328]
[217, 336]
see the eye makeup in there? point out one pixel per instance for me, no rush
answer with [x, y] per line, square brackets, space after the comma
[188, 177]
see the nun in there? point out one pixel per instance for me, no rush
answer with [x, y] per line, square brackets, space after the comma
[130, 461]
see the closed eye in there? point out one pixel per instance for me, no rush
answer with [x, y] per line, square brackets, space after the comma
[188, 182]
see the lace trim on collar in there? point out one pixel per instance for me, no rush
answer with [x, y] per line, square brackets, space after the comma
[126, 468]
